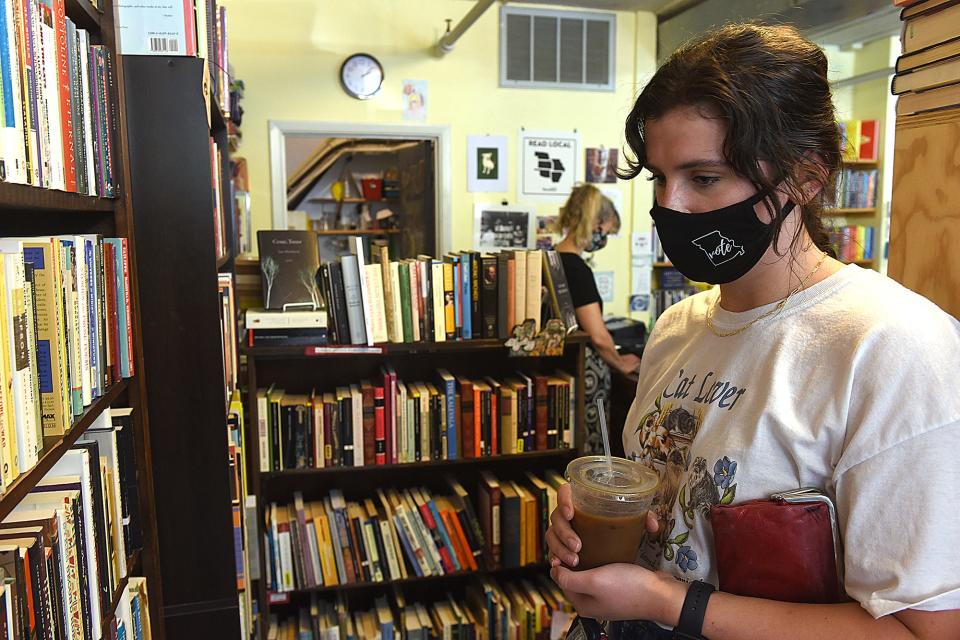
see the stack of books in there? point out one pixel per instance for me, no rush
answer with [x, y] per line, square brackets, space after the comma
[63, 548]
[57, 120]
[460, 296]
[404, 533]
[928, 72]
[388, 421]
[65, 337]
[533, 609]
[852, 242]
[856, 189]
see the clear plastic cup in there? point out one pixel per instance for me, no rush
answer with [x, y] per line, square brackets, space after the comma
[610, 506]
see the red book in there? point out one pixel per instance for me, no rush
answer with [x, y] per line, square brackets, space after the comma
[189, 25]
[126, 302]
[379, 425]
[869, 140]
[66, 106]
[113, 328]
[540, 411]
[390, 413]
[466, 421]
[489, 503]
[369, 424]
[494, 416]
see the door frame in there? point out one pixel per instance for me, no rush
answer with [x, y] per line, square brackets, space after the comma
[439, 134]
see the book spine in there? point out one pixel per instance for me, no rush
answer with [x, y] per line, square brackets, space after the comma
[490, 286]
[457, 299]
[416, 301]
[541, 401]
[450, 407]
[438, 310]
[129, 369]
[354, 302]
[66, 104]
[466, 419]
[449, 302]
[369, 425]
[406, 313]
[380, 448]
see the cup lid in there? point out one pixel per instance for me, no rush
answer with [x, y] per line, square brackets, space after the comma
[624, 480]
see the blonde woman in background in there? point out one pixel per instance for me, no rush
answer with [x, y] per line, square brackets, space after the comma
[586, 219]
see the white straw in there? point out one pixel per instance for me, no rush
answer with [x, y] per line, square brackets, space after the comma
[606, 436]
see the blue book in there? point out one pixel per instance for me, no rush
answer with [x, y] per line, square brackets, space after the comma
[92, 317]
[466, 297]
[120, 284]
[444, 536]
[411, 556]
[6, 77]
[448, 385]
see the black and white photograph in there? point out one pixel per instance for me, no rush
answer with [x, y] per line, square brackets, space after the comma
[498, 227]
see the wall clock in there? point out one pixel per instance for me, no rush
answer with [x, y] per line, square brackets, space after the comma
[361, 76]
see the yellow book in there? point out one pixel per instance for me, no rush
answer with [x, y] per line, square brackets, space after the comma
[396, 308]
[439, 318]
[851, 140]
[7, 410]
[508, 417]
[321, 527]
[448, 301]
[382, 254]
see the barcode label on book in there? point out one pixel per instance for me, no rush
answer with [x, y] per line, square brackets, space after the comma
[164, 45]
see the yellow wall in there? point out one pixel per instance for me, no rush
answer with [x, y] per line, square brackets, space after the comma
[289, 53]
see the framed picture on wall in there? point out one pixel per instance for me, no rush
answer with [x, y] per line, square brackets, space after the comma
[499, 226]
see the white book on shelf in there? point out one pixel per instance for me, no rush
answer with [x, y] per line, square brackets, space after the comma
[364, 294]
[534, 286]
[81, 269]
[356, 305]
[356, 417]
[439, 317]
[395, 307]
[51, 92]
[520, 287]
[378, 319]
[83, 55]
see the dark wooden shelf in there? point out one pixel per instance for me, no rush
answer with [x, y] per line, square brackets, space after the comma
[108, 615]
[438, 465]
[868, 211]
[54, 448]
[356, 232]
[23, 197]
[349, 351]
[84, 14]
[224, 259]
[352, 200]
[386, 584]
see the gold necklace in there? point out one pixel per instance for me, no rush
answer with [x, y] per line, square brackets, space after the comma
[775, 310]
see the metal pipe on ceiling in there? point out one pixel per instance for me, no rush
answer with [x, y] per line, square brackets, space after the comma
[446, 44]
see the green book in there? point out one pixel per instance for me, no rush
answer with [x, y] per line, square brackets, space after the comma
[406, 311]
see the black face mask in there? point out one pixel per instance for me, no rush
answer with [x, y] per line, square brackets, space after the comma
[715, 246]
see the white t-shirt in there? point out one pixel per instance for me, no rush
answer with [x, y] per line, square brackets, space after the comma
[854, 388]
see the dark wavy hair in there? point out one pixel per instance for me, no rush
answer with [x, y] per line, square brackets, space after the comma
[769, 86]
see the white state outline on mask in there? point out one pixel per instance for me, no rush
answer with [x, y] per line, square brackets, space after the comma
[736, 251]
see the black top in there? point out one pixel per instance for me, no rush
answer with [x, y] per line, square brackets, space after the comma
[583, 288]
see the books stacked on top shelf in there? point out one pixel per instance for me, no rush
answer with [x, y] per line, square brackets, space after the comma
[285, 328]
[65, 337]
[533, 609]
[460, 296]
[856, 189]
[860, 140]
[853, 242]
[928, 72]
[57, 120]
[63, 552]
[389, 421]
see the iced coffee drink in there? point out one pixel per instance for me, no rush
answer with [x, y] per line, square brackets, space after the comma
[610, 505]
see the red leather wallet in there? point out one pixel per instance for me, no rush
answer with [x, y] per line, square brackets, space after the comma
[786, 548]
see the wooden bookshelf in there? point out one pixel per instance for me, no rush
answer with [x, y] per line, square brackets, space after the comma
[32, 210]
[19, 198]
[849, 212]
[283, 597]
[294, 371]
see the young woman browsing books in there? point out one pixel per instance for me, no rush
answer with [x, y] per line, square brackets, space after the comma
[587, 218]
[796, 371]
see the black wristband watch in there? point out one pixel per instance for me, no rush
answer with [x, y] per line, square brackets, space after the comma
[690, 625]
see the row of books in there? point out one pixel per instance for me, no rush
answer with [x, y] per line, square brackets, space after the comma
[459, 296]
[131, 619]
[63, 548]
[388, 421]
[860, 140]
[65, 337]
[526, 609]
[661, 299]
[853, 242]
[856, 189]
[404, 533]
[242, 508]
[928, 72]
[56, 101]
